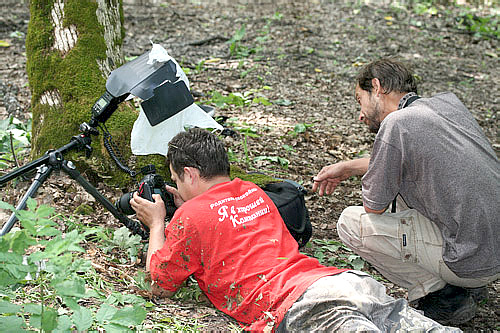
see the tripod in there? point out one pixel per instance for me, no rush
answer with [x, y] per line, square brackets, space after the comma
[54, 160]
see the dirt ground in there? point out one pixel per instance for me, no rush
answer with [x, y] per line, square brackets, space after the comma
[308, 54]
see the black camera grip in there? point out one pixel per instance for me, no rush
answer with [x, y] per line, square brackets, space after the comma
[146, 192]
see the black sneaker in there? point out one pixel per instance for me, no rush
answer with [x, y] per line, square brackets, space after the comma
[478, 294]
[451, 305]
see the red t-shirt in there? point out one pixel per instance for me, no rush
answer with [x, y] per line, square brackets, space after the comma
[236, 245]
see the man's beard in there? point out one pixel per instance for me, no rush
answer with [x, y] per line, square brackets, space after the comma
[373, 119]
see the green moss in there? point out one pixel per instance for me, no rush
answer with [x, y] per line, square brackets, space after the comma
[79, 82]
[256, 178]
[159, 161]
[84, 209]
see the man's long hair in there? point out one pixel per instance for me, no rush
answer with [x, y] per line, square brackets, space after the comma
[200, 149]
[392, 74]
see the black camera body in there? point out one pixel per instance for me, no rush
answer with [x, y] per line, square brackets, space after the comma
[149, 185]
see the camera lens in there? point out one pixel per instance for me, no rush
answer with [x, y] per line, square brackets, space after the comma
[123, 204]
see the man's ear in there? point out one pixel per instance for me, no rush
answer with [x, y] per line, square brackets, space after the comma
[193, 174]
[377, 88]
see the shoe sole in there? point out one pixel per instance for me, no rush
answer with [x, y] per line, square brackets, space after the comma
[462, 315]
[479, 294]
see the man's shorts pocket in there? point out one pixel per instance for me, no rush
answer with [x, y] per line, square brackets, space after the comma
[389, 234]
[407, 238]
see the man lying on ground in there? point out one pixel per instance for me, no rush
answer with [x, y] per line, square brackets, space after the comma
[230, 236]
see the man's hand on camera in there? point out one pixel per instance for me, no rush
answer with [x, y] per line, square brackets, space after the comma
[178, 201]
[152, 214]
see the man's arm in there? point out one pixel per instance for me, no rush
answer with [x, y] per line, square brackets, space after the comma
[330, 176]
[152, 214]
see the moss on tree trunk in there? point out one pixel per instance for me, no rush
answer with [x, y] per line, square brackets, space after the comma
[71, 47]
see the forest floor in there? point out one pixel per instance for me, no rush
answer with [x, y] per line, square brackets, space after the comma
[302, 58]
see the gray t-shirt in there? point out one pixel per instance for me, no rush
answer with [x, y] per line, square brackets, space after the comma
[437, 157]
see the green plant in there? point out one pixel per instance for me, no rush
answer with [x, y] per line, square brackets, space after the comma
[246, 131]
[190, 291]
[40, 263]
[247, 98]
[125, 241]
[288, 148]
[488, 26]
[327, 252]
[425, 7]
[15, 140]
[236, 48]
[300, 128]
[283, 162]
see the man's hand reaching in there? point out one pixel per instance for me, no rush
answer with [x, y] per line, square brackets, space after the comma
[331, 175]
[328, 178]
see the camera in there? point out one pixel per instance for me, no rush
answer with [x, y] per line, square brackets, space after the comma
[149, 185]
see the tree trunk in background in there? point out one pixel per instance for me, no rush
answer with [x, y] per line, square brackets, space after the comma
[71, 47]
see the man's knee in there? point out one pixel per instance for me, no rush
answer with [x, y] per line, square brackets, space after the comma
[349, 225]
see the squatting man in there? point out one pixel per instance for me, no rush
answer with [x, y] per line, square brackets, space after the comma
[230, 237]
[442, 238]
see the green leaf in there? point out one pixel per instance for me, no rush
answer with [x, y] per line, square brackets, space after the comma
[283, 102]
[124, 240]
[300, 128]
[75, 288]
[110, 328]
[64, 324]
[45, 211]
[122, 299]
[129, 316]
[31, 203]
[27, 219]
[82, 317]
[4, 205]
[71, 302]
[92, 293]
[21, 241]
[18, 271]
[261, 100]
[4, 43]
[356, 262]
[81, 265]
[49, 319]
[11, 324]
[36, 321]
[9, 308]
[58, 245]
[105, 313]
[33, 308]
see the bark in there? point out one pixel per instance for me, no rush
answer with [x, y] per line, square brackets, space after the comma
[71, 48]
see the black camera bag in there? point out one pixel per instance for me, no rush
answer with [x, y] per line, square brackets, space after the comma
[288, 196]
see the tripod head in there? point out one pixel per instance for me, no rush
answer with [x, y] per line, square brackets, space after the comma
[81, 141]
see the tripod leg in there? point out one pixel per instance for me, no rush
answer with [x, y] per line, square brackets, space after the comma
[43, 172]
[135, 227]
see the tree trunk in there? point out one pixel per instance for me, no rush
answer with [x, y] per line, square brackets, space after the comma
[71, 48]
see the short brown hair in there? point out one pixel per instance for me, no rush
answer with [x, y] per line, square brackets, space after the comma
[392, 74]
[200, 149]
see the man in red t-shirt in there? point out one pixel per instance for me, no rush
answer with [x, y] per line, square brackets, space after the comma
[230, 236]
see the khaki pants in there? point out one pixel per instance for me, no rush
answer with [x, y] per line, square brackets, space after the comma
[405, 247]
[352, 301]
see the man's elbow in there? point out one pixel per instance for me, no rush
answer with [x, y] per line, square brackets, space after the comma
[373, 211]
[160, 292]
